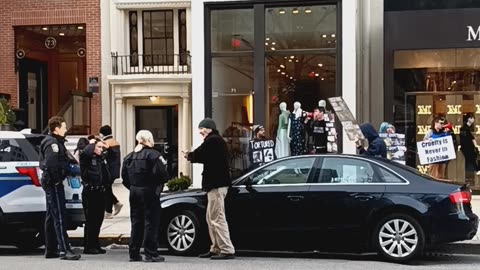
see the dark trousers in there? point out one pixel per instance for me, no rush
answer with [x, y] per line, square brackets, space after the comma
[94, 207]
[144, 215]
[110, 200]
[56, 238]
[321, 150]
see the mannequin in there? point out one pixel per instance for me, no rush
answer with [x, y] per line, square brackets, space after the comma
[282, 146]
[296, 131]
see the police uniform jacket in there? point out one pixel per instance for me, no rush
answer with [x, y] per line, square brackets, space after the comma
[144, 168]
[94, 168]
[53, 160]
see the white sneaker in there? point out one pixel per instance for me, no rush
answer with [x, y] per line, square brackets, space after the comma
[108, 215]
[118, 207]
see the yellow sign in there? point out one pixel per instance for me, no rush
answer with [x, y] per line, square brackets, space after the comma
[422, 130]
[423, 169]
[456, 129]
[478, 109]
[424, 109]
[477, 128]
[454, 109]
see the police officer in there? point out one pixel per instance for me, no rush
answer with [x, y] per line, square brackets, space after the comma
[54, 163]
[144, 174]
[95, 178]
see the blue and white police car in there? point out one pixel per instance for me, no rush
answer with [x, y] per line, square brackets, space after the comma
[22, 200]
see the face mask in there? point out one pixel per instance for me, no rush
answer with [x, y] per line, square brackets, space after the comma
[470, 121]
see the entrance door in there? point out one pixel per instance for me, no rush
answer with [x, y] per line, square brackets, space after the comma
[33, 96]
[162, 121]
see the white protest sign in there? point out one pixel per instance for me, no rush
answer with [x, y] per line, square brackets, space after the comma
[436, 150]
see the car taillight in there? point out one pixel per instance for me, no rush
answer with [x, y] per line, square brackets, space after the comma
[461, 197]
[30, 172]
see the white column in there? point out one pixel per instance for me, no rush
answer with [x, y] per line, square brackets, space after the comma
[198, 81]
[349, 62]
[106, 65]
[184, 164]
[120, 125]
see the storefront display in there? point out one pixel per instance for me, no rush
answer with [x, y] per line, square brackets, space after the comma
[282, 147]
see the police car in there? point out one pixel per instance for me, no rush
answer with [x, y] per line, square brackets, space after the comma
[22, 199]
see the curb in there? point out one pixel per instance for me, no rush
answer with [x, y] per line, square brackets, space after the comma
[469, 248]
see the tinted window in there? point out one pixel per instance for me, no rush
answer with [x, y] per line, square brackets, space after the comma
[293, 171]
[346, 170]
[17, 150]
[389, 177]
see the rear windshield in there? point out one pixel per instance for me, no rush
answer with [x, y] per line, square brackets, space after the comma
[17, 150]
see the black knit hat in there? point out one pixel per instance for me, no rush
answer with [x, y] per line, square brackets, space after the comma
[106, 130]
[207, 123]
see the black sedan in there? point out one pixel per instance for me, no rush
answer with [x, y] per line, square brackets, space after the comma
[334, 203]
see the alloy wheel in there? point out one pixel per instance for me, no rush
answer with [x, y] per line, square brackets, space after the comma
[181, 233]
[398, 238]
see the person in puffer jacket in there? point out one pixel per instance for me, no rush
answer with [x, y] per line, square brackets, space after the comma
[376, 145]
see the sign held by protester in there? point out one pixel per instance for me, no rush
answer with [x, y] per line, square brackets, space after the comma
[436, 150]
[349, 123]
[396, 148]
[261, 151]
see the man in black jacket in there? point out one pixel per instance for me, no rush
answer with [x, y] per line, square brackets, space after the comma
[317, 128]
[213, 154]
[54, 162]
[144, 174]
[96, 180]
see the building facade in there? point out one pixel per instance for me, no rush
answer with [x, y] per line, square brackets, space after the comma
[147, 80]
[50, 61]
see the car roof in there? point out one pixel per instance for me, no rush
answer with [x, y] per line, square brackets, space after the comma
[12, 135]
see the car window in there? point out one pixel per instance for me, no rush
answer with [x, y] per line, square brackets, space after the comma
[347, 170]
[292, 171]
[389, 177]
[17, 150]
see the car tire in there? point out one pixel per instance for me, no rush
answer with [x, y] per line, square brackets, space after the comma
[399, 238]
[183, 233]
[29, 241]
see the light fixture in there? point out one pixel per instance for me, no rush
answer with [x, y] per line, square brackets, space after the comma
[267, 39]
[44, 28]
[291, 78]
[332, 35]
[286, 75]
[282, 66]
[295, 11]
[61, 34]
[293, 56]
[320, 65]
[308, 10]
[324, 36]
[273, 48]
[153, 98]
[279, 70]
[329, 42]
[296, 60]
[80, 27]
[322, 79]
[266, 43]
[273, 43]
[281, 11]
[316, 74]
[285, 57]
[290, 60]
[283, 73]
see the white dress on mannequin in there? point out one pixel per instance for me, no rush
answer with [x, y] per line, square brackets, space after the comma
[282, 143]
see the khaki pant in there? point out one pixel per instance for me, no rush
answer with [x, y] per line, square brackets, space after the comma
[217, 222]
[437, 170]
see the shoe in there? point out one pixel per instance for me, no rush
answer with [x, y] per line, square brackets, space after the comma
[101, 251]
[223, 256]
[206, 255]
[136, 258]
[154, 259]
[108, 215]
[118, 207]
[51, 255]
[70, 256]
[92, 251]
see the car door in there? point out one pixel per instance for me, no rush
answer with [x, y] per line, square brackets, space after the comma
[347, 191]
[267, 203]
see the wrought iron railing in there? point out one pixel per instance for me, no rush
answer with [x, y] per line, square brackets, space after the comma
[151, 64]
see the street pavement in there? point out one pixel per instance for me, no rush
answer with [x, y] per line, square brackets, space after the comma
[118, 259]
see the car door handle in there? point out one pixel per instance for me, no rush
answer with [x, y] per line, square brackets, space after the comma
[295, 198]
[363, 198]
[3, 167]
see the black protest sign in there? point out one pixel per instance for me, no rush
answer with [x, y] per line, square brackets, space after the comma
[261, 151]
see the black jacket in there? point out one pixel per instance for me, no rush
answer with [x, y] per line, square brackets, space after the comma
[376, 145]
[53, 160]
[213, 154]
[318, 130]
[466, 141]
[114, 161]
[95, 172]
[144, 169]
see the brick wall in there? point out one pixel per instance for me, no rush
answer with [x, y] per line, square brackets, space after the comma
[44, 12]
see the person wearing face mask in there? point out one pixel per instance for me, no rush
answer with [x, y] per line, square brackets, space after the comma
[469, 146]
[213, 154]
[144, 174]
[95, 179]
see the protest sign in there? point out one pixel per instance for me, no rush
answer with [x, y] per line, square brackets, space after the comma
[261, 151]
[396, 148]
[436, 150]
[349, 123]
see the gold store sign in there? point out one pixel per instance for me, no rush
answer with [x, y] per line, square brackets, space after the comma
[423, 169]
[427, 109]
[454, 109]
[422, 130]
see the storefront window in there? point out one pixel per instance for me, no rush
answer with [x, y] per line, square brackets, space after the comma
[232, 105]
[436, 82]
[232, 30]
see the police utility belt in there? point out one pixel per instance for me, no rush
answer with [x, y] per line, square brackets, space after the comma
[90, 187]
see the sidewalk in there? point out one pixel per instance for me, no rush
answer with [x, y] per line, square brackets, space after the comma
[117, 230]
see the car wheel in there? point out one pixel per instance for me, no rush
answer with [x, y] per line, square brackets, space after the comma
[399, 238]
[183, 233]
